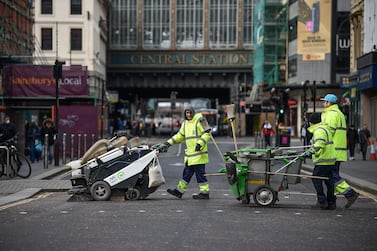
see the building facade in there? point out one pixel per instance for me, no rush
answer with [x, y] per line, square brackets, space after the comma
[318, 54]
[197, 48]
[362, 81]
[74, 33]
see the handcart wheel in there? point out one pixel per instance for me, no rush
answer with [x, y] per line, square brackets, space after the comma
[100, 190]
[132, 194]
[264, 196]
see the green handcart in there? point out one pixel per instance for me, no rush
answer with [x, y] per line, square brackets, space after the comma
[262, 173]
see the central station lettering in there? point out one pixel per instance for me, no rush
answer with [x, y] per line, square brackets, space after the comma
[201, 59]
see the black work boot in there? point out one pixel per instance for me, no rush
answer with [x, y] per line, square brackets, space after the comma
[201, 196]
[352, 200]
[175, 193]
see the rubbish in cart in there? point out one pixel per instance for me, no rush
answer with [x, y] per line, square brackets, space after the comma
[117, 165]
[262, 173]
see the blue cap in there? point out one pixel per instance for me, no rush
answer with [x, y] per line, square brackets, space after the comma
[331, 98]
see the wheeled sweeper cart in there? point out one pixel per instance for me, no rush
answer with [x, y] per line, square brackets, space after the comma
[114, 165]
[262, 173]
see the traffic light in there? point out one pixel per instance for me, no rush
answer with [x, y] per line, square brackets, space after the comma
[58, 69]
[281, 111]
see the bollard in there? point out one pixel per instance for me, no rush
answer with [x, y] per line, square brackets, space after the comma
[72, 140]
[85, 136]
[64, 148]
[78, 146]
[92, 139]
[257, 139]
[45, 152]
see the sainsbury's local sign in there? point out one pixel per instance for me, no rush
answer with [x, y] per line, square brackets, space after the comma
[38, 80]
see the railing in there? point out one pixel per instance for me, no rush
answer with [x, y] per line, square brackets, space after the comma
[73, 146]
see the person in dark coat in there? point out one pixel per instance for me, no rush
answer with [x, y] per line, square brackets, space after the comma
[7, 129]
[33, 138]
[364, 135]
[353, 140]
[49, 130]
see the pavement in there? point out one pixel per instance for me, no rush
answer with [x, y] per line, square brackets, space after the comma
[361, 175]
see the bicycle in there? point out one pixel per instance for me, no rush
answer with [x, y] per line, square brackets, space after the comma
[18, 164]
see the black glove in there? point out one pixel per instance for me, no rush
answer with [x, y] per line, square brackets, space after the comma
[197, 147]
[164, 147]
[308, 155]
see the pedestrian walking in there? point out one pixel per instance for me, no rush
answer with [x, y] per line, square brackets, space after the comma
[33, 138]
[267, 131]
[323, 155]
[364, 136]
[196, 153]
[332, 116]
[353, 140]
[49, 130]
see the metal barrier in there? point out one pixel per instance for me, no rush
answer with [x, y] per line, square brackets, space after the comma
[77, 145]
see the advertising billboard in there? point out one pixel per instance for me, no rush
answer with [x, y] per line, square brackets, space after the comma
[38, 81]
[314, 29]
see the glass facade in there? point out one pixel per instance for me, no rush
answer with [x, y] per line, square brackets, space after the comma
[156, 24]
[223, 24]
[247, 24]
[123, 27]
[189, 24]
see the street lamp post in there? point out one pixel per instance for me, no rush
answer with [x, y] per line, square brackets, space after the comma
[314, 90]
[58, 74]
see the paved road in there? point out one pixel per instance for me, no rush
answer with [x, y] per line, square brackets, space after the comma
[360, 174]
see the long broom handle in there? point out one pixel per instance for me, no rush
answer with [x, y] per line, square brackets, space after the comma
[234, 136]
[218, 149]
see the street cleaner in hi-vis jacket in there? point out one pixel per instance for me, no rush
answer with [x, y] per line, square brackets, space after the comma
[332, 116]
[196, 138]
[323, 156]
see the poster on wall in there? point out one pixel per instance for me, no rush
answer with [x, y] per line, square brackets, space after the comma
[314, 29]
[75, 120]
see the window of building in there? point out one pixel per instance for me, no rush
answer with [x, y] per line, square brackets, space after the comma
[292, 67]
[248, 20]
[46, 38]
[156, 24]
[292, 29]
[76, 7]
[189, 24]
[76, 39]
[46, 6]
[223, 24]
[123, 24]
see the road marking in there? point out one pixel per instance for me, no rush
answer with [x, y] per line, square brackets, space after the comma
[177, 164]
[21, 202]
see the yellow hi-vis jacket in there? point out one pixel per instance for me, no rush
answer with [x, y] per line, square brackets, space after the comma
[334, 118]
[323, 151]
[192, 131]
